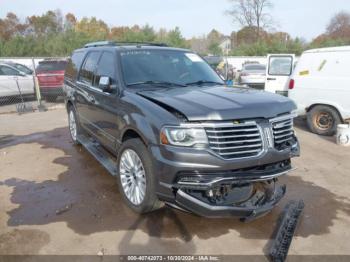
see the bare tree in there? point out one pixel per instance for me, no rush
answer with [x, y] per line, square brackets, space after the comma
[339, 25]
[252, 14]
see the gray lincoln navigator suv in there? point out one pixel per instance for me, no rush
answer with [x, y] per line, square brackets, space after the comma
[163, 122]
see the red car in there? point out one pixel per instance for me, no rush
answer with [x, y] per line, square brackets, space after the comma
[50, 75]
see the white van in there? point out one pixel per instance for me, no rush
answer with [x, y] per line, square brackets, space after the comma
[278, 71]
[320, 86]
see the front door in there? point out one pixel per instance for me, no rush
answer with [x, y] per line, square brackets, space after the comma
[8, 85]
[279, 69]
[105, 115]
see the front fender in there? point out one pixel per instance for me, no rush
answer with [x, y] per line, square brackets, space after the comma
[145, 118]
[142, 127]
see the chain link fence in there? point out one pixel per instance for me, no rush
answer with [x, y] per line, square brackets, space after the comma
[31, 84]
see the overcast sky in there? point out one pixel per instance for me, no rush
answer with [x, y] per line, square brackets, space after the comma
[303, 18]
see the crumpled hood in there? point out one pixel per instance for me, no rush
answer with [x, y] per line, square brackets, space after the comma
[221, 103]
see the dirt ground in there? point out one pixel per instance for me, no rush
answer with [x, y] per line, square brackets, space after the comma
[56, 199]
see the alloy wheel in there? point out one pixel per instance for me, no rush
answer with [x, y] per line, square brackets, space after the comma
[72, 125]
[132, 176]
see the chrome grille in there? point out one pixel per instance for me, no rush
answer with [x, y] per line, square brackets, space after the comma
[283, 131]
[235, 140]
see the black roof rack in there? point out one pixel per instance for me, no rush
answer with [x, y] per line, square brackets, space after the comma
[141, 43]
[100, 43]
[113, 43]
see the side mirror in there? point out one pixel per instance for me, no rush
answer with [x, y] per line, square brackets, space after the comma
[105, 84]
[20, 73]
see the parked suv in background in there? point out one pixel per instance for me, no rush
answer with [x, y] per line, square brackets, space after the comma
[50, 75]
[162, 121]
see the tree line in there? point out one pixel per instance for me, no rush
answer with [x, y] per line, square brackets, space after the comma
[56, 34]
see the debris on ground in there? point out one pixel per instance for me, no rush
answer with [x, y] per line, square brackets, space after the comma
[101, 252]
[64, 209]
[285, 231]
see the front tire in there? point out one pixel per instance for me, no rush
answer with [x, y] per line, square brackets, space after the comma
[323, 120]
[136, 180]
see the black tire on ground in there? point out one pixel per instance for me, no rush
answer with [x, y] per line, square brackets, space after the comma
[150, 201]
[71, 112]
[323, 120]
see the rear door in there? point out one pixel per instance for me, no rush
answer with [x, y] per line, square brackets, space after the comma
[85, 99]
[279, 69]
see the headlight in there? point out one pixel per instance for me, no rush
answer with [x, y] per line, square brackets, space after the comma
[178, 136]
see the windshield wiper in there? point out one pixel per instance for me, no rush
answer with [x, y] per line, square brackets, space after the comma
[160, 83]
[202, 82]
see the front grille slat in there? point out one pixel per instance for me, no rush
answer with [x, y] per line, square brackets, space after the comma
[240, 152]
[284, 135]
[233, 131]
[236, 136]
[237, 147]
[233, 141]
[282, 141]
[283, 131]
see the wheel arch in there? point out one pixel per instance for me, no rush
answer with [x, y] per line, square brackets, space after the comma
[69, 104]
[327, 105]
[131, 133]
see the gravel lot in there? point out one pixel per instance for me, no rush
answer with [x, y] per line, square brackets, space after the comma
[56, 199]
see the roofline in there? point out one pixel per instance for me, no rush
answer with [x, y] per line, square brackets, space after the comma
[329, 49]
[126, 47]
[114, 43]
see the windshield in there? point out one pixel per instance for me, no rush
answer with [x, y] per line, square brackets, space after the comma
[24, 69]
[51, 66]
[166, 67]
[255, 67]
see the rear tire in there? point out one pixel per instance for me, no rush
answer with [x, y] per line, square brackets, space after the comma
[73, 124]
[323, 120]
[136, 180]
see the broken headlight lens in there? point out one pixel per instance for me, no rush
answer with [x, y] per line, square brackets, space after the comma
[188, 137]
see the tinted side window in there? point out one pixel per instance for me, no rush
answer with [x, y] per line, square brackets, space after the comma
[106, 67]
[7, 71]
[74, 64]
[87, 72]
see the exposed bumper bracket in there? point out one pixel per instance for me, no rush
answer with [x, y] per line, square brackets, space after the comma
[246, 214]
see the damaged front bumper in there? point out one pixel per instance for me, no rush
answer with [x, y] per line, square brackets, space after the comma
[210, 187]
[244, 194]
[246, 213]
